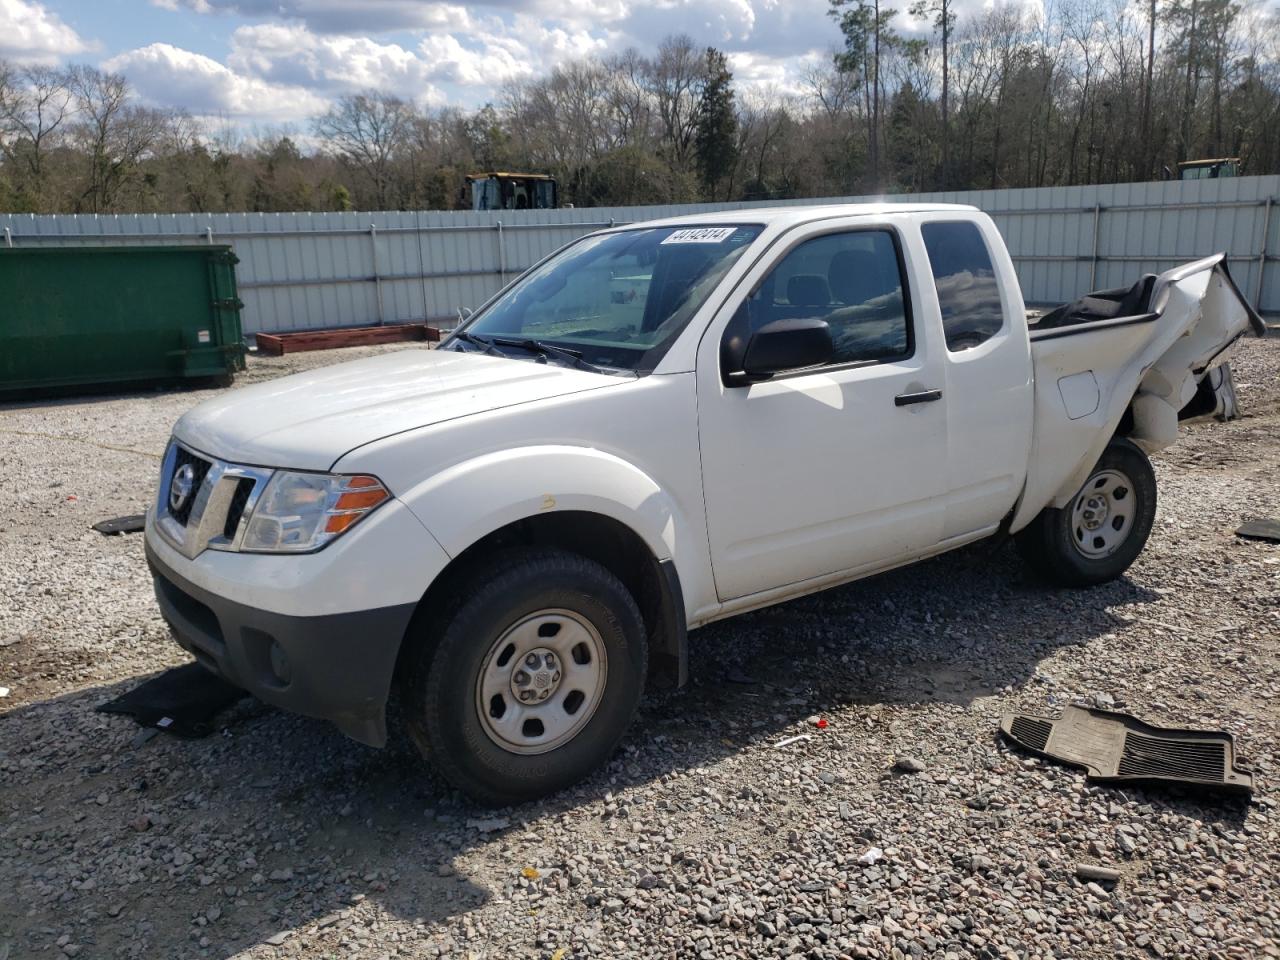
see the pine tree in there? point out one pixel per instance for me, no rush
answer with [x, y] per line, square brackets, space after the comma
[867, 35]
[716, 135]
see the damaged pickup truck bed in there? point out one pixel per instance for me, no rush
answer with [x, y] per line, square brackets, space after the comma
[657, 427]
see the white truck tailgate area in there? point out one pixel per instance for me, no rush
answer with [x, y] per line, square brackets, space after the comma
[1087, 374]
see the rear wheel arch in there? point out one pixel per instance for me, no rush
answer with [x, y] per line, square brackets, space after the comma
[1060, 543]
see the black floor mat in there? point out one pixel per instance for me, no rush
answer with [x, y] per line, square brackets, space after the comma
[1260, 530]
[1117, 748]
[183, 701]
[134, 523]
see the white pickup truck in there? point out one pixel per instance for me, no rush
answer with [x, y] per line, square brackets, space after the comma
[657, 427]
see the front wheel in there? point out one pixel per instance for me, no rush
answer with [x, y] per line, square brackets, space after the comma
[1097, 535]
[528, 684]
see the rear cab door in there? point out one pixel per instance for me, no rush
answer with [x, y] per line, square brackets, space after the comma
[974, 300]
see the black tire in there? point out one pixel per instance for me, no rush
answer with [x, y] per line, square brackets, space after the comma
[1065, 552]
[441, 683]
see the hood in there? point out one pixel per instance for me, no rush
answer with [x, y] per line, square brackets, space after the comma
[309, 420]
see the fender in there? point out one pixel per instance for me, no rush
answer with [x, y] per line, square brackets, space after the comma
[467, 501]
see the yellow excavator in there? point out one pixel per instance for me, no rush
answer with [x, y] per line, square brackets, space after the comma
[510, 191]
[1209, 169]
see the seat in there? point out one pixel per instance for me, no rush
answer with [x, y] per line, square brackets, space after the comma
[855, 277]
[1103, 305]
[808, 290]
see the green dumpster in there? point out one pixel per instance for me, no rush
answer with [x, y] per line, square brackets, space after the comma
[75, 316]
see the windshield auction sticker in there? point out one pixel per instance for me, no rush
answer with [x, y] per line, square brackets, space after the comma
[701, 235]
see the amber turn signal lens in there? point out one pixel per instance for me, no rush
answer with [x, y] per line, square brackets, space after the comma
[341, 521]
[360, 499]
[359, 495]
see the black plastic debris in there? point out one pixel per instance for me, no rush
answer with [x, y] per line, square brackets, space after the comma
[129, 524]
[183, 701]
[1117, 748]
[1260, 530]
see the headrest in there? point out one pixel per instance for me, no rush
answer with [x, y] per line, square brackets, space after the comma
[855, 276]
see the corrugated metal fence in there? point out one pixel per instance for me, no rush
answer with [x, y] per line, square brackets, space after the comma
[311, 270]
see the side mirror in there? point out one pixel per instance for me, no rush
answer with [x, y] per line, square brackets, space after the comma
[786, 345]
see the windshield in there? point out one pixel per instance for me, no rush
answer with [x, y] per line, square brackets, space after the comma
[616, 300]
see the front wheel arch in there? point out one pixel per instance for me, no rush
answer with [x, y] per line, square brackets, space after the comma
[655, 584]
[474, 671]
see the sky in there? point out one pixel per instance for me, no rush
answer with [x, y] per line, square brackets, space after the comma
[281, 62]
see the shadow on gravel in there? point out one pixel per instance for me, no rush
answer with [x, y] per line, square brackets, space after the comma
[280, 822]
[88, 394]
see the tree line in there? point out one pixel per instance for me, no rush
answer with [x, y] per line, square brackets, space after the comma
[1088, 91]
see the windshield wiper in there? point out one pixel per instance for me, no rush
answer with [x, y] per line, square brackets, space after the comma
[571, 357]
[486, 346]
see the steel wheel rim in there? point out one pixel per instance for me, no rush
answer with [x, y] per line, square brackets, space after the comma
[1103, 514]
[541, 681]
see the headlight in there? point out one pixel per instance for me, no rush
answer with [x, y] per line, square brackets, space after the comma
[300, 512]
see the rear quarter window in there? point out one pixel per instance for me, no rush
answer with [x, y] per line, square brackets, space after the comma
[965, 278]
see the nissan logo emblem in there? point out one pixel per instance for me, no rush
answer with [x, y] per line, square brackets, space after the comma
[184, 481]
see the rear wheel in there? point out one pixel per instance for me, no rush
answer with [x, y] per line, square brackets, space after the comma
[530, 681]
[1102, 530]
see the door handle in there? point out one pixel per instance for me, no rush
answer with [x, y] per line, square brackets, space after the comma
[924, 396]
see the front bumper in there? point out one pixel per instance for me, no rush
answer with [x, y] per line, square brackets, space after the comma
[336, 666]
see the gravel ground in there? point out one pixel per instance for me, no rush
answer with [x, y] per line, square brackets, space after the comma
[903, 828]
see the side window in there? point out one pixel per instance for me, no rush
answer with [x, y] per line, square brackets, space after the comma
[966, 282]
[851, 280]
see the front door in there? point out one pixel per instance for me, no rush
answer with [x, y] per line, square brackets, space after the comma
[832, 468]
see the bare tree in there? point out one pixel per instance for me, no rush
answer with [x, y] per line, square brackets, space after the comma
[1147, 89]
[564, 118]
[672, 78]
[100, 99]
[367, 130]
[1080, 26]
[114, 135]
[630, 105]
[834, 91]
[34, 104]
[1007, 34]
[944, 21]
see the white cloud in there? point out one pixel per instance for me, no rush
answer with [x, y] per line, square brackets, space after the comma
[488, 66]
[717, 23]
[31, 33]
[780, 75]
[336, 16]
[291, 54]
[170, 76]
[528, 48]
[295, 54]
[554, 44]
[465, 54]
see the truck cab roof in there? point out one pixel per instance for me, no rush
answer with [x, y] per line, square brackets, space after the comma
[788, 216]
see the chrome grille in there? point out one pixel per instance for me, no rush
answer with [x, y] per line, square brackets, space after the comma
[235, 511]
[208, 506]
[199, 470]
